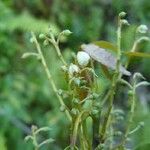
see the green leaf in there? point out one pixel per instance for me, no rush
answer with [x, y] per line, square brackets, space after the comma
[106, 72]
[113, 47]
[137, 54]
[106, 45]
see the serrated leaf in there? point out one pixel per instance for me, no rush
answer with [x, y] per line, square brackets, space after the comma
[104, 57]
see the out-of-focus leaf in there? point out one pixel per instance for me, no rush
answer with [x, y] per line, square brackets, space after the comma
[106, 45]
[137, 54]
[26, 22]
[2, 142]
[113, 47]
[104, 57]
[143, 146]
[106, 72]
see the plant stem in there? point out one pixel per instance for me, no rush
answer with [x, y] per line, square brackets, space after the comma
[131, 115]
[59, 54]
[113, 87]
[75, 129]
[55, 44]
[49, 74]
[85, 133]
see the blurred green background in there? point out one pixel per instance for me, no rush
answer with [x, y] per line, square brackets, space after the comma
[25, 95]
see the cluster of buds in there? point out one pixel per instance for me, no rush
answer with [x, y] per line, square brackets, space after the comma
[122, 15]
[82, 59]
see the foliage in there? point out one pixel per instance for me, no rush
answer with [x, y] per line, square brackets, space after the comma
[25, 96]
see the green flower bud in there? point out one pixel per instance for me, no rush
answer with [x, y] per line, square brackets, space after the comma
[130, 93]
[31, 39]
[73, 69]
[66, 32]
[74, 111]
[118, 133]
[64, 68]
[94, 112]
[77, 81]
[141, 124]
[124, 22]
[122, 14]
[75, 101]
[41, 36]
[62, 108]
[45, 42]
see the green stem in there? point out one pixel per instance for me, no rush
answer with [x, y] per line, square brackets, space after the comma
[49, 74]
[86, 137]
[55, 44]
[132, 110]
[113, 87]
[59, 54]
[75, 129]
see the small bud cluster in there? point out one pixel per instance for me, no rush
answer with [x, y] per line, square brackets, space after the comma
[123, 21]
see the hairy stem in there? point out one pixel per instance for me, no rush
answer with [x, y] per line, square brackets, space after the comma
[55, 44]
[113, 87]
[49, 74]
[75, 129]
[131, 115]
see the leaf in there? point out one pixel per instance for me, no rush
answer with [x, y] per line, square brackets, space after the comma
[106, 45]
[26, 22]
[104, 57]
[106, 72]
[137, 54]
[113, 47]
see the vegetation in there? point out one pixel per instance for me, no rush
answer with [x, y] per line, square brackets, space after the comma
[92, 102]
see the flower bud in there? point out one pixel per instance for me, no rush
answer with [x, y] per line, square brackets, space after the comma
[66, 32]
[74, 111]
[64, 68]
[124, 22]
[73, 69]
[83, 58]
[94, 112]
[142, 29]
[62, 108]
[122, 14]
[41, 36]
[45, 42]
[31, 39]
[76, 101]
